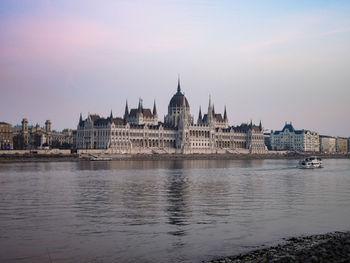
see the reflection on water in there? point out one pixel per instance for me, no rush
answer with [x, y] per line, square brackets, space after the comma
[167, 164]
[163, 211]
[177, 197]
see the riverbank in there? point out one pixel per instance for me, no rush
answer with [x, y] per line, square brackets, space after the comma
[38, 158]
[330, 247]
[33, 157]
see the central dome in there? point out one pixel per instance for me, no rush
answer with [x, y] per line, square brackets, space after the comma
[179, 98]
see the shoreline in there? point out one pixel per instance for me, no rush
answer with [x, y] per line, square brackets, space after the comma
[10, 158]
[329, 247]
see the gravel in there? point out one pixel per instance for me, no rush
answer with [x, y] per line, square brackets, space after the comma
[330, 247]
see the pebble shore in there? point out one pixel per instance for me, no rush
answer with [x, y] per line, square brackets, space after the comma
[330, 247]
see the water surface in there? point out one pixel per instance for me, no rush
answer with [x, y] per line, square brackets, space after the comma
[164, 211]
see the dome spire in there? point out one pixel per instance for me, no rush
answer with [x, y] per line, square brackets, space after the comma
[178, 83]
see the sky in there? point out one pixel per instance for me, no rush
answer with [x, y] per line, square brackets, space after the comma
[273, 61]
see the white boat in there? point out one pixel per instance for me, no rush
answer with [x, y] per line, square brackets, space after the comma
[99, 158]
[310, 162]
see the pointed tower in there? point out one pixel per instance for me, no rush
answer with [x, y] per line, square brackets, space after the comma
[111, 116]
[126, 112]
[210, 112]
[48, 126]
[213, 111]
[140, 107]
[260, 126]
[155, 114]
[225, 114]
[154, 108]
[199, 121]
[210, 109]
[80, 119]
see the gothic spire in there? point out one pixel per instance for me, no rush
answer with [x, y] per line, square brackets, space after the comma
[225, 114]
[140, 108]
[111, 115]
[200, 113]
[81, 118]
[126, 113]
[260, 126]
[154, 108]
[210, 109]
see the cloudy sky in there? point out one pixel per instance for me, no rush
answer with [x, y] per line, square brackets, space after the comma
[273, 61]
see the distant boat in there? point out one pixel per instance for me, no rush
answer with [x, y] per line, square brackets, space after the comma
[310, 162]
[100, 159]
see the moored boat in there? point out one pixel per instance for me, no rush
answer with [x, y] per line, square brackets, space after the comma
[100, 159]
[310, 162]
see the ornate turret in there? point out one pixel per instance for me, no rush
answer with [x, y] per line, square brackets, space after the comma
[111, 116]
[48, 126]
[24, 125]
[260, 126]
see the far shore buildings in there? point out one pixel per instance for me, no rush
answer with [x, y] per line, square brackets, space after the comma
[328, 144]
[27, 137]
[295, 140]
[140, 131]
[341, 145]
[6, 136]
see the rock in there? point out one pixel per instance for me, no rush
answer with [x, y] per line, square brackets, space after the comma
[331, 247]
[313, 259]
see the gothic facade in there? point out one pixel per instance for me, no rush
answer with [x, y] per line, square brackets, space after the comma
[140, 131]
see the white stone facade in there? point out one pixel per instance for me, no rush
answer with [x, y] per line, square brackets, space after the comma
[178, 134]
[295, 140]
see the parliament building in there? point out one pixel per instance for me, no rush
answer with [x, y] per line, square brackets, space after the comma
[140, 131]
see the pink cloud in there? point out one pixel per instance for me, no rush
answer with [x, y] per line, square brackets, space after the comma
[45, 37]
[56, 37]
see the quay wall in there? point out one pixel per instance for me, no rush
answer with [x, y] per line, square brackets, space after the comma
[38, 152]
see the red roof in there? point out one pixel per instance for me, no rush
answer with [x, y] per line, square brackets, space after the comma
[95, 117]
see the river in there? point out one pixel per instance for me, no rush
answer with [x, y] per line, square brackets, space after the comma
[164, 211]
